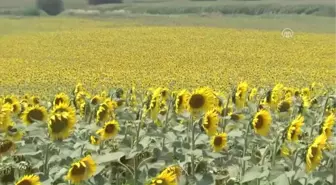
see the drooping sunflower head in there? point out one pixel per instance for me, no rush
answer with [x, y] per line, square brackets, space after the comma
[6, 146]
[34, 113]
[16, 107]
[253, 94]
[164, 178]
[314, 152]
[218, 142]
[96, 100]
[109, 130]
[236, 116]
[5, 119]
[201, 100]
[284, 106]
[7, 174]
[61, 125]
[241, 93]
[13, 133]
[103, 113]
[294, 130]
[82, 170]
[305, 92]
[94, 140]
[61, 98]
[29, 180]
[79, 87]
[210, 122]
[181, 103]
[328, 125]
[262, 122]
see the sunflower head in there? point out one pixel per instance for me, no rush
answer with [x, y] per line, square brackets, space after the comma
[240, 96]
[284, 106]
[109, 130]
[96, 100]
[210, 122]
[181, 103]
[34, 113]
[35, 100]
[294, 130]
[253, 94]
[328, 125]
[103, 113]
[314, 152]
[94, 140]
[218, 142]
[61, 98]
[13, 133]
[82, 170]
[164, 178]
[5, 119]
[61, 125]
[6, 146]
[175, 169]
[262, 122]
[236, 116]
[29, 180]
[201, 100]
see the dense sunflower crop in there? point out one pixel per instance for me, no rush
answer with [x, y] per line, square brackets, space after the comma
[178, 57]
[246, 135]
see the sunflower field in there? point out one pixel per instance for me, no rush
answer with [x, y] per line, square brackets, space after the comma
[167, 106]
[160, 136]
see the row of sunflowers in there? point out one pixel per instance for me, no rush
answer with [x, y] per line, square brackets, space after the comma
[278, 135]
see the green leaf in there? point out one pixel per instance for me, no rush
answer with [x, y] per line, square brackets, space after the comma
[99, 169]
[207, 179]
[111, 157]
[235, 133]
[251, 174]
[281, 180]
[60, 173]
[180, 128]
[197, 153]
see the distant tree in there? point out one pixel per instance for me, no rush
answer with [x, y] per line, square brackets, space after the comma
[97, 2]
[51, 7]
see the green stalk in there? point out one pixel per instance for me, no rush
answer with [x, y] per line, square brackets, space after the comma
[225, 113]
[263, 160]
[245, 150]
[192, 149]
[334, 177]
[46, 159]
[294, 163]
[275, 148]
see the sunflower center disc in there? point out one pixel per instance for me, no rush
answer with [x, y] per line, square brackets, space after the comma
[197, 101]
[259, 123]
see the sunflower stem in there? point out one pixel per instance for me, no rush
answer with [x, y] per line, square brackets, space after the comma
[263, 161]
[225, 113]
[192, 149]
[135, 170]
[275, 149]
[245, 151]
[334, 164]
[46, 158]
[294, 163]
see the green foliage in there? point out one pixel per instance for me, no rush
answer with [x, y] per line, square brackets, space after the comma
[97, 2]
[31, 11]
[51, 7]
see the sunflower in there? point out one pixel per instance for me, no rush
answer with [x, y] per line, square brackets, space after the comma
[61, 125]
[210, 122]
[29, 180]
[82, 170]
[181, 103]
[252, 95]
[328, 125]
[96, 100]
[276, 96]
[34, 113]
[236, 116]
[16, 107]
[285, 151]
[5, 118]
[35, 100]
[109, 130]
[62, 107]
[240, 96]
[6, 146]
[10, 99]
[262, 122]
[201, 100]
[175, 169]
[284, 106]
[294, 131]
[61, 98]
[218, 142]
[164, 178]
[314, 152]
[80, 98]
[13, 133]
[79, 87]
[94, 140]
[103, 113]
[7, 175]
